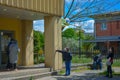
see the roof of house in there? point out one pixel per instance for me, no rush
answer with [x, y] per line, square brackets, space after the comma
[105, 39]
[106, 15]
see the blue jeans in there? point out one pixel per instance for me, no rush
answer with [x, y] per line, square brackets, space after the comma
[100, 64]
[68, 67]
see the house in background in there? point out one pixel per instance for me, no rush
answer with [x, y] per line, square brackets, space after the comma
[107, 31]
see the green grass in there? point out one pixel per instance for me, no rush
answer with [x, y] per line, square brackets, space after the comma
[80, 69]
[116, 63]
[114, 73]
[62, 72]
[77, 69]
[82, 59]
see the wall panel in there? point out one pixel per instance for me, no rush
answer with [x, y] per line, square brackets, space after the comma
[54, 7]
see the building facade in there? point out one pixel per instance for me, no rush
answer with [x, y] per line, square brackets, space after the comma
[107, 31]
[16, 21]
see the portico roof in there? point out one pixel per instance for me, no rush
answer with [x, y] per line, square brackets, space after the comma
[12, 12]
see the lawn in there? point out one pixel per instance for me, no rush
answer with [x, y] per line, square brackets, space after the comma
[83, 59]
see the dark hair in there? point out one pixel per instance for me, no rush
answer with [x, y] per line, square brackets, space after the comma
[67, 49]
[11, 39]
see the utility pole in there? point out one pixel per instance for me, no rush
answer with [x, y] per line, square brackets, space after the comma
[78, 27]
[79, 42]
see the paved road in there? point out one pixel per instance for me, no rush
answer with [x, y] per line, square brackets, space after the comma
[87, 75]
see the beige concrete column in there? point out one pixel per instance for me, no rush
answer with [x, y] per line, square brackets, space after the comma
[53, 42]
[27, 42]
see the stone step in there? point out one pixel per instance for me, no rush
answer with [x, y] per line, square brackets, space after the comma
[25, 74]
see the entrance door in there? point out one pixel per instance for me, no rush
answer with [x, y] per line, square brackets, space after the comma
[5, 37]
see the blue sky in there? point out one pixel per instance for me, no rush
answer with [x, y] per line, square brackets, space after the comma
[39, 25]
[87, 26]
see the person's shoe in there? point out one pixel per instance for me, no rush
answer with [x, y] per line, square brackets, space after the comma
[66, 74]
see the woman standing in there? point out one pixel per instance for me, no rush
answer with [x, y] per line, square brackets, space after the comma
[13, 55]
[110, 62]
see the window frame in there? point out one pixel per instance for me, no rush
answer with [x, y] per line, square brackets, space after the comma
[103, 26]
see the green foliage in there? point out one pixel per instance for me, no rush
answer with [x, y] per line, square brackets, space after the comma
[31, 78]
[64, 23]
[38, 41]
[80, 34]
[87, 46]
[69, 42]
[71, 38]
[38, 58]
[69, 33]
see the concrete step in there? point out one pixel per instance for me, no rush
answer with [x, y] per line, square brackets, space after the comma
[25, 74]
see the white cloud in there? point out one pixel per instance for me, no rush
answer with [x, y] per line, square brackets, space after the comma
[89, 26]
[38, 25]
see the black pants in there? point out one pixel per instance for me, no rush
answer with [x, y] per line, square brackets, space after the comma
[14, 66]
[8, 63]
[109, 70]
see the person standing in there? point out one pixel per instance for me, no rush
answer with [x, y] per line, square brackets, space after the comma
[67, 57]
[110, 62]
[99, 61]
[13, 53]
[8, 52]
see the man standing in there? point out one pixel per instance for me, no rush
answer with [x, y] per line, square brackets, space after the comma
[67, 57]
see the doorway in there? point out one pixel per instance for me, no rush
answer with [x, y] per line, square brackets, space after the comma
[5, 37]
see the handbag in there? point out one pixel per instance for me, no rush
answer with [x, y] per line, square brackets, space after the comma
[108, 63]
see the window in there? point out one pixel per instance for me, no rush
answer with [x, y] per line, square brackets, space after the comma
[104, 26]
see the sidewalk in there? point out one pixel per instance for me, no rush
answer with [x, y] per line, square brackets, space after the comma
[86, 75]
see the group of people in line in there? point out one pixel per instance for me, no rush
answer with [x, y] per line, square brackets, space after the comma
[97, 61]
[12, 54]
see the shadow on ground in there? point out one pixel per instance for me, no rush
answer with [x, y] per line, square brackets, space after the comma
[86, 76]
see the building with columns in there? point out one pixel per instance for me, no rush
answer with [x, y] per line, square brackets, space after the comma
[16, 21]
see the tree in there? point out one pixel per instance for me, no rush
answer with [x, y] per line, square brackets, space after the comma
[81, 10]
[87, 46]
[69, 33]
[70, 42]
[38, 41]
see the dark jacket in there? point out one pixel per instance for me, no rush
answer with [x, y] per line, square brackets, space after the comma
[110, 55]
[8, 47]
[66, 55]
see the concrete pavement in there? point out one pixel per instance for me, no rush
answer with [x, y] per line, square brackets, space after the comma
[86, 75]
